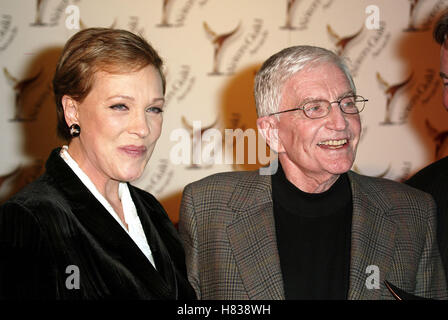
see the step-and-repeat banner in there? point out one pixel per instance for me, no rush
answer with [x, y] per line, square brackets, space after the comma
[212, 50]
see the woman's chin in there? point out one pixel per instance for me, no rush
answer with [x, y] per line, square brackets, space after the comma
[129, 176]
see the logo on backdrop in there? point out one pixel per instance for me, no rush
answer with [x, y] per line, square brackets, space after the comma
[218, 41]
[57, 11]
[9, 175]
[39, 13]
[22, 89]
[342, 42]
[440, 139]
[411, 20]
[288, 19]
[84, 26]
[8, 32]
[164, 23]
[196, 133]
[20, 177]
[390, 91]
[181, 14]
[380, 175]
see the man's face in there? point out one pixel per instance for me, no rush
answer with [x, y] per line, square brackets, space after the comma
[319, 148]
[444, 72]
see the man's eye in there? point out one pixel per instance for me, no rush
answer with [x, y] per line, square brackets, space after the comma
[348, 104]
[313, 107]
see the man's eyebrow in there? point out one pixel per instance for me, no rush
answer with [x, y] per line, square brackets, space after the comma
[346, 94]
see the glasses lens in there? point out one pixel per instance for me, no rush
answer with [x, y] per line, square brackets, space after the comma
[316, 109]
[352, 104]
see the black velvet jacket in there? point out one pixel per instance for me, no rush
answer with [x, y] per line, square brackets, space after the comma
[55, 230]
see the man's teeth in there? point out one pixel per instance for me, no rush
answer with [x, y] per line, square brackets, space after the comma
[333, 142]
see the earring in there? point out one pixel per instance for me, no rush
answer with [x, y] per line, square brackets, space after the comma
[75, 130]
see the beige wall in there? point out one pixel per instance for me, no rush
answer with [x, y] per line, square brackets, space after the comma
[219, 93]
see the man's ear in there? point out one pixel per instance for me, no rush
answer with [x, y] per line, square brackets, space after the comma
[268, 128]
[70, 106]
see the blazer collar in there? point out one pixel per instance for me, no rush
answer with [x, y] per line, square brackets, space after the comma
[102, 226]
[373, 237]
[252, 237]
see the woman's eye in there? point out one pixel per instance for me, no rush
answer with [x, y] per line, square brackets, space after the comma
[119, 107]
[155, 109]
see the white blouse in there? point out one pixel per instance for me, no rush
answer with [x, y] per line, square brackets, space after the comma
[130, 212]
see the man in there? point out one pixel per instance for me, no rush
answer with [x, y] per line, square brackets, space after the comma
[434, 178]
[314, 229]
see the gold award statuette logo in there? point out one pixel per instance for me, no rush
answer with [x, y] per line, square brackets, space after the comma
[342, 42]
[196, 133]
[380, 175]
[412, 9]
[83, 26]
[440, 139]
[390, 91]
[22, 88]
[9, 175]
[20, 177]
[288, 19]
[218, 41]
[164, 23]
[39, 13]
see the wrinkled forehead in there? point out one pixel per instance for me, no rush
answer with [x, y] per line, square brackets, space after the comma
[320, 81]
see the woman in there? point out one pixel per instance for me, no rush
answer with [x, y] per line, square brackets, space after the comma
[81, 231]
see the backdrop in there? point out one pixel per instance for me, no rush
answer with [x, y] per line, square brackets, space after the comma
[212, 50]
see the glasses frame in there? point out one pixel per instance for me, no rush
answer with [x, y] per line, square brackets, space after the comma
[361, 99]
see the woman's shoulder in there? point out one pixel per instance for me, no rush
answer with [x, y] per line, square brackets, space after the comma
[36, 193]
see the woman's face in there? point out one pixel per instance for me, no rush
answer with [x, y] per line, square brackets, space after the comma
[120, 120]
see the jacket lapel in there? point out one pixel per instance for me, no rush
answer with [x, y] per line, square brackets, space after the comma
[163, 280]
[253, 240]
[98, 222]
[373, 236]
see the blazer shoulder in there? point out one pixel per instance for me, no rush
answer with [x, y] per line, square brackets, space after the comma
[393, 194]
[42, 192]
[230, 178]
[385, 186]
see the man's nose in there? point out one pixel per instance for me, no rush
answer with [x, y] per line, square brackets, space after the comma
[336, 118]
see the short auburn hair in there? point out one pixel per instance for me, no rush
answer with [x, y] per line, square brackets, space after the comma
[98, 49]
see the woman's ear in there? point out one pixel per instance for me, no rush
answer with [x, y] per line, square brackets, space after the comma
[70, 106]
[268, 128]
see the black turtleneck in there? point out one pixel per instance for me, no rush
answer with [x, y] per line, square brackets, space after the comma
[313, 238]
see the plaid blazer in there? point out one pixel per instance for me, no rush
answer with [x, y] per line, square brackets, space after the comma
[227, 227]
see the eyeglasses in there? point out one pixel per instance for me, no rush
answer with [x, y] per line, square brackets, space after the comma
[321, 108]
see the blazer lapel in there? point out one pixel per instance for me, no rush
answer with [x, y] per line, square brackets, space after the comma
[253, 240]
[372, 244]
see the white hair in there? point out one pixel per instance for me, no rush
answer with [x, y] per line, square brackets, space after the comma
[276, 70]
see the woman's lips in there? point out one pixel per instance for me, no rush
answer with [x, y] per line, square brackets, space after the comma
[134, 151]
